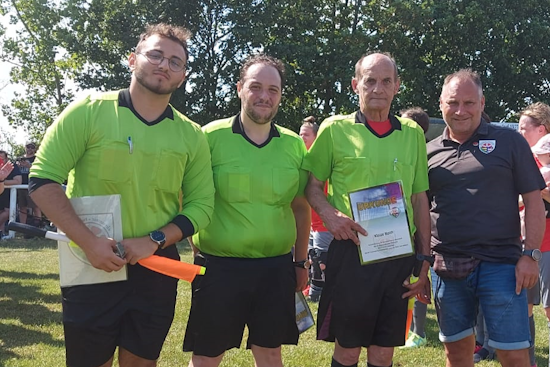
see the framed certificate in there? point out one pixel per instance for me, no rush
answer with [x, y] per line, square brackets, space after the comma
[381, 211]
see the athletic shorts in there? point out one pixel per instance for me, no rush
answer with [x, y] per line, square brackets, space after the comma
[544, 268]
[493, 287]
[135, 315]
[362, 305]
[235, 292]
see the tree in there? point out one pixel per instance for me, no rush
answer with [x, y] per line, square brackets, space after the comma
[40, 64]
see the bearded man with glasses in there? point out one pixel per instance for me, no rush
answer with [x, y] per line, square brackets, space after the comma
[133, 143]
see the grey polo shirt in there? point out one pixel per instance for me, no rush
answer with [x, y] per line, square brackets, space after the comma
[474, 188]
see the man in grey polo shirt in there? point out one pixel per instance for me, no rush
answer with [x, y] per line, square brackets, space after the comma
[476, 172]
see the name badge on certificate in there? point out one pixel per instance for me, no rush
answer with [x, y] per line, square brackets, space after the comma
[381, 210]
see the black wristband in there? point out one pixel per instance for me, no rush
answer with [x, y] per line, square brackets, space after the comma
[300, 264]
[2, 181]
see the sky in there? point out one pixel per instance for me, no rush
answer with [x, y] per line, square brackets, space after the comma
[6, 95]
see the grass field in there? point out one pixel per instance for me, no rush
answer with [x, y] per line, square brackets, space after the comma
[31, 334]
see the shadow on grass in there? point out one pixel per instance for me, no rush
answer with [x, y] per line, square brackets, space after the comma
[15, 336]
[24, 275]
[31, 244]
[26, 317]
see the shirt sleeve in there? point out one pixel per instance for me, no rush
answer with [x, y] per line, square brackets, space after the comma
[303, 173]
[318, 160]
[421, 182]
[65, 140]
[198, 187]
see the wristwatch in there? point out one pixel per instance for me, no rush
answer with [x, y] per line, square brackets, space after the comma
[534, 254]
[301, 264]
[158, 237]
[430, 259]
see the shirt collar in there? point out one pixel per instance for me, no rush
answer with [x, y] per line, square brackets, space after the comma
[237, 128]
[395, 123]
[482, 129]
[125, 100]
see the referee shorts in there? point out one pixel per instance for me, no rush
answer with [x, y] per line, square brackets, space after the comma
[362, 305]
[235, 292]
[135, 315]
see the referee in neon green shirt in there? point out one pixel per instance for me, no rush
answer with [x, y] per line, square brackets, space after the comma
[366, 305]
[260, 215]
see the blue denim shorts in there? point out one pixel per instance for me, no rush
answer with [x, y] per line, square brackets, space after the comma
[491, 286]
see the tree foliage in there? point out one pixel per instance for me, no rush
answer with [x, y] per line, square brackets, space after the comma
[88, 41]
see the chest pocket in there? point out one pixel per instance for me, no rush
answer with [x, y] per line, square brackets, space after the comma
[114, 164]
[233, 184]
[170, 170]
[286, 182]
[353, 172]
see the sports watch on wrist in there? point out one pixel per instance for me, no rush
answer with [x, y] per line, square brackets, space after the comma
[158, 237]
[534, 254]
[430, 259]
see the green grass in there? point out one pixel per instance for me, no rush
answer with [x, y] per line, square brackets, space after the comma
[31, 334]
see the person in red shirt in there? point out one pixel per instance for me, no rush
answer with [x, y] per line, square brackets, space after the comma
[534, 123]
[319, 237]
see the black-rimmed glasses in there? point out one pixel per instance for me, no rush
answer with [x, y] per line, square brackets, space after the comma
[156, 58]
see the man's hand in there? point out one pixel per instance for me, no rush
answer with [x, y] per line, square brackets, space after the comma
[138, 248]
[102, 256]
[420, 289]
[24, 163]
[527, 273]
[301, 279]
[6, 170]
[343, 227]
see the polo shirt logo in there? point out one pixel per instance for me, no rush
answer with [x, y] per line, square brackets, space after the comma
[487, 146]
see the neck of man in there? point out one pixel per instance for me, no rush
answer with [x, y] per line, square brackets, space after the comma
[147, 104]
[376, 115]
[459, 138]
[258, 133]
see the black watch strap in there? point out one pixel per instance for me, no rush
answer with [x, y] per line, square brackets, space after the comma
[300, 264]
[430, 259]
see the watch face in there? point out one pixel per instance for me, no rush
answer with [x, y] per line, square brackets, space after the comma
[158, 236]
[536, 255]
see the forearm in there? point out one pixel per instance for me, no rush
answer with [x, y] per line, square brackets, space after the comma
[421, 212]
[51, 199]
[316, 197]
[173, 234]
[535, 221]
[302, 216]
[15, 181]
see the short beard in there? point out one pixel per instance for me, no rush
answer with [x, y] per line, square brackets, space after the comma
[260, 120]
[154, 88]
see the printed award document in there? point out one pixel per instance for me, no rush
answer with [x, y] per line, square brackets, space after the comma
[304, 318]
[381, 210]
[102, 215]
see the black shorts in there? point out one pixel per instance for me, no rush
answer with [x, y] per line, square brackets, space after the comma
[236, 292]
[135, 315]
[361, 305]
[5, 199]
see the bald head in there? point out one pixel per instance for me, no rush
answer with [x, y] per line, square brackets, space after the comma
[369, 60]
